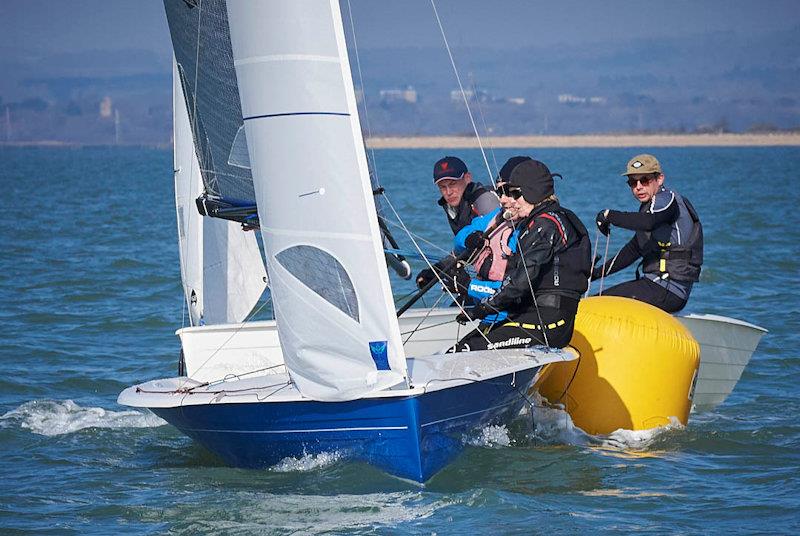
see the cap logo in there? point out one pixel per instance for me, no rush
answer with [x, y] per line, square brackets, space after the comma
[443, 166]
[637, 165]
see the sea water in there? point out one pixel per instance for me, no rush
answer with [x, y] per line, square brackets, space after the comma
[90, 297]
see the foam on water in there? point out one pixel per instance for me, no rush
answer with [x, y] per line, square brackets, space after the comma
[553, 425]
[307, 462]
[52, 418]
[320, 514]
[638, 439]
[490, 436]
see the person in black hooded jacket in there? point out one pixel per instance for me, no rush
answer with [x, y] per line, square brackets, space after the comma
[545, 277]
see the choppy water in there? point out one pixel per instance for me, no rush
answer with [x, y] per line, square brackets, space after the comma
[90, 297]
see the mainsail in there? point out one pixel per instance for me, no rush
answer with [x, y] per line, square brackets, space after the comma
[221, 267]
[329, 283]
[201, 42]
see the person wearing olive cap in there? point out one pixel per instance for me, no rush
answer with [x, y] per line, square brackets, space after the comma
[461, 201]
[668, 239]
[546, 274]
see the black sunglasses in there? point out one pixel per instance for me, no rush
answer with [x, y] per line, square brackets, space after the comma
[644, 180]
[514, 192]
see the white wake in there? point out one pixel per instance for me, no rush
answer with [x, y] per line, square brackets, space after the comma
[52, 418]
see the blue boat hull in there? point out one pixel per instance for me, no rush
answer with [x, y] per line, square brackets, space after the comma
[411, 437]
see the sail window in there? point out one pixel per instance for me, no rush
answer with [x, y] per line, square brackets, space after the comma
[322, 273]
[239, 156]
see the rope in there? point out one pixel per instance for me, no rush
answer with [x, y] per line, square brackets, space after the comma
[594, 256]
[428, 262]
[605, 256]
[417, 327]
[237, 330]
[463, 93]
[410, 234]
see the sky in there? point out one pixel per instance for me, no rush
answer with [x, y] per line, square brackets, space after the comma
[43, 26]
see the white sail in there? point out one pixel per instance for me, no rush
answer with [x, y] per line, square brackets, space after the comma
[328, 277]
[221, 267]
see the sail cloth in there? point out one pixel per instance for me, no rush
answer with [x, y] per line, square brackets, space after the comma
[201, 43]
[221, 267]
[329, 283]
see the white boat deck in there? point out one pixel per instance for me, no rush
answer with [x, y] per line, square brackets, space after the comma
[428, 373]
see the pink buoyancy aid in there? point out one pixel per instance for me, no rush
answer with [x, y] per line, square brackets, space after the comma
[492, 260]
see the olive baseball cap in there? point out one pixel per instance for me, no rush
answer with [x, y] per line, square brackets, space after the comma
[642, 164]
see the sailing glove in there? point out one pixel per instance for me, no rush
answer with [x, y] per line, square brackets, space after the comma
[458, 283]
[474, 241]
[602, 222]
[424, 277]
[482, 310]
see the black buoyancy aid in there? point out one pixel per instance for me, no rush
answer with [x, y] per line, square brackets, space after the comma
[571, 266]
[668, 252]
[465, 210]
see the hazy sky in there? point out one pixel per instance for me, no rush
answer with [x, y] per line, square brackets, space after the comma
[78, 25]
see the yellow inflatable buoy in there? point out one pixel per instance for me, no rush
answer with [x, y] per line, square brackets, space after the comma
[637, 367]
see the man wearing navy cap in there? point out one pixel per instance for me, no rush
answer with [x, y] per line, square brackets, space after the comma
[461, 200]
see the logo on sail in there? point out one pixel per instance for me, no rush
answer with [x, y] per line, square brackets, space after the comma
[380, 355]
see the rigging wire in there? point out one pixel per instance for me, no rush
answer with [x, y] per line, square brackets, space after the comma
[594, 256]
[463, 93]
[530, 286]
[485, 127]
[423, 319]
[428, 262]
[226, 341]
[363, 94]
[413, 235]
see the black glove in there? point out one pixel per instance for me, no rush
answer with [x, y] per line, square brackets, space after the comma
[602, 223]
[482, 310]
[474, 241]
[424, 277]
[458, 283]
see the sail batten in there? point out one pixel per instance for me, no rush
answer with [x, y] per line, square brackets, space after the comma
[329, 281]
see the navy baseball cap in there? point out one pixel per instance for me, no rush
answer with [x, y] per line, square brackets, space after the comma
[449, 167]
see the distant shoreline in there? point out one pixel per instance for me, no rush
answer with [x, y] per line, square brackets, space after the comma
[528, 141]
[587, 140]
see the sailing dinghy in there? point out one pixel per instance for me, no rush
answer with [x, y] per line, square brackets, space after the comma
[270, 104]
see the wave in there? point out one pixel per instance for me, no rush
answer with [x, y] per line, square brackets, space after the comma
[53, 418]
[317, 514]
[553, 425]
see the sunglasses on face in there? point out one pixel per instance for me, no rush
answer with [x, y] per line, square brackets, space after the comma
[513, 192]
[644, 180]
